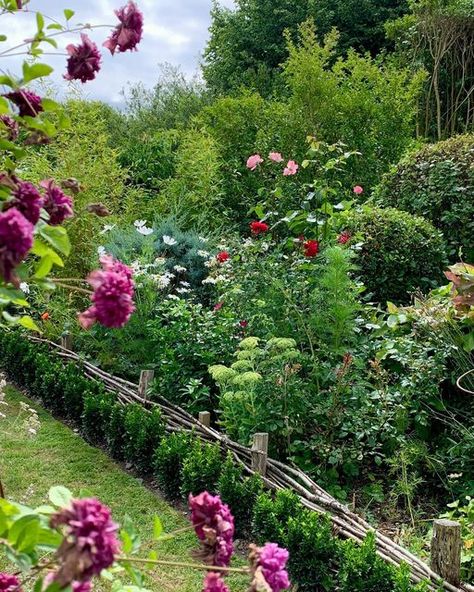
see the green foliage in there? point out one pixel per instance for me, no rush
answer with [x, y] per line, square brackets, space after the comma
[115, 433]
[368, 104]
[314, 551]
[239, 493]
[261, 391]
[82, 152]
[143, 432]
[201, 469]
[271, 516]
[399, 254]
[246, 46]
[462, 511]
[437, 182]
[96, 416]
[194, 193]
[361, 570]
[168, 460]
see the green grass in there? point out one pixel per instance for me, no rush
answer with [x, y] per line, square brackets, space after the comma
[59, 456]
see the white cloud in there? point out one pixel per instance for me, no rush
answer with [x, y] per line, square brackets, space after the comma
[175, 31]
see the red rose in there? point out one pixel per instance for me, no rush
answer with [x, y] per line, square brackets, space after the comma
[223, 256]
[244, 324]
[311, 248]
[258, 228]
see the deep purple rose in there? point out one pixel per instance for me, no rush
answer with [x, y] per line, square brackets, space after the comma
[16, 239]
[128, 34]
[84, 60]
[28, 102]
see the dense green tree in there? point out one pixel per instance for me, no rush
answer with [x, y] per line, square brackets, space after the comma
[246, 46]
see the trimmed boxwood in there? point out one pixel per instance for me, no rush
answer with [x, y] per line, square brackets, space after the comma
[437, 182]
[399, 253]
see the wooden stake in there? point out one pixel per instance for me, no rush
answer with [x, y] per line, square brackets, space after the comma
[446, 550]
[146, 378]
[205, 418]
[66, 341]
[260, 453]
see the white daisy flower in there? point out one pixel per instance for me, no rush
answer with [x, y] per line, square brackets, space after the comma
[25, 288]
[169, 240]
[139, 223]
[179, 268]
[144, 230]
[209, 280]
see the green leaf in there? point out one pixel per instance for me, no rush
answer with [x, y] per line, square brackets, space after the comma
[28, 323]
[50, 105]
[60, 496]
[157, 528]
[39, 21]
[35, 71]
[57, 237]
[68, 13]
[7, 81]
[55, 27]
[127, 543]
[3, 38]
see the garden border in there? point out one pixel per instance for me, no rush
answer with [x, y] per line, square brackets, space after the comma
[278, 475]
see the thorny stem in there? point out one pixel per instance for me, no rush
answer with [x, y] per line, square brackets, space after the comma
[199, 566]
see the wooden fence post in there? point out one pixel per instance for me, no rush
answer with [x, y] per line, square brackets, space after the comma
[446, 550]
[66, 341]
[146, 378]
[260, 453]
[205, 418]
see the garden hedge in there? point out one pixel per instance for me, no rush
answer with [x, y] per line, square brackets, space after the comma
[437, 182]
[319, 562]
[399, 253]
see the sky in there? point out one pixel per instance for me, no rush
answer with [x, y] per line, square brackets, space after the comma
[175, 31]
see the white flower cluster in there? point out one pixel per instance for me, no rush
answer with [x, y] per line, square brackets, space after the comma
[31, 423]
[3, 384]
[142, 228]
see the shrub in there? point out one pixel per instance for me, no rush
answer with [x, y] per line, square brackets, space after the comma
[115, 431]
[143, 431]
[239, 493]
[201, 469]
[361, 570]
[313, 552]
[96, 416]
[168, 461]
[271, 516]
[437, 182]
[400, 253]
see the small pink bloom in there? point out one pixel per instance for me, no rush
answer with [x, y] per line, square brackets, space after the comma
[218, 306]
[244, 324]
[213, 582]
[9, 583]
[258, 228]
[358, 190]
[291, 168]
[275, 157]
[253, 161]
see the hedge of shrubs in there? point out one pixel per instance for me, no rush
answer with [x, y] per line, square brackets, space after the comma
[182, 464]
[400, 253]
[437, 182]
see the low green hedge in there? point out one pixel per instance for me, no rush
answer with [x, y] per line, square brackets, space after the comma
[182, 464]
[399, 253]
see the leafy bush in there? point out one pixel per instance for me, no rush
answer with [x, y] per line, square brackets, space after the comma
[143, 431]
[168, 460]
[437, 182]
[239, 493]
[314, 552]
[115, 433]
[271, 516]
[400, 253]
[201, 468]
[96, 416]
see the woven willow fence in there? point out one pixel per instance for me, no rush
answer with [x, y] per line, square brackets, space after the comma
[276, 476]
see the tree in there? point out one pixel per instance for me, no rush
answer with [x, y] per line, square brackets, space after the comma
[247, 45]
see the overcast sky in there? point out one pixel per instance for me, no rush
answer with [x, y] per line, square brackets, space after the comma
[175, 31]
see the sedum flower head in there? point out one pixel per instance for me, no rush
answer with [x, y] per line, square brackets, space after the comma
[128, 34]
[214, 526]
[84, 60]
[90, 544]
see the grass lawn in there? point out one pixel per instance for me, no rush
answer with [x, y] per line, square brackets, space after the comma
[59, 456]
